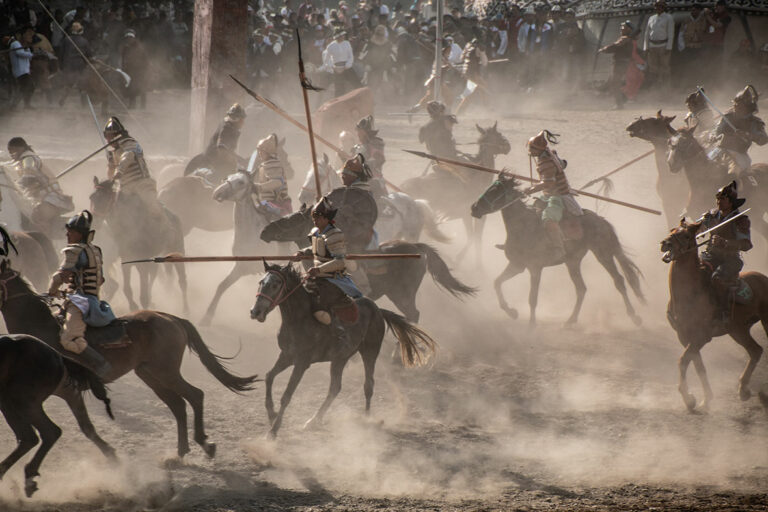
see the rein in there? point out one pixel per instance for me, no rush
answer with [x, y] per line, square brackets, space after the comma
[281, 296]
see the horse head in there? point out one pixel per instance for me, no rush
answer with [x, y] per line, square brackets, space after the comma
[652, 129]
[681, 240]
[275, 287]
[681, 147]
[501, 193]
[291, 228]
[492, 139]
[236, 187]
[103, 197]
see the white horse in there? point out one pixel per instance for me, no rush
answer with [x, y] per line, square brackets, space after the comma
[13, 207]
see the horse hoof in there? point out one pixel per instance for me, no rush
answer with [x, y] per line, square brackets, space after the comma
[763, 400]
[744, 393]
[637, 320]
[210, 450]
[512, 313]
[205, 321]
[690, 402]
[30, 487]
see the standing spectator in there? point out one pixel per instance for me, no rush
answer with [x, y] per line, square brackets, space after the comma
[378, 56]
[409, 59]
[41, 65]
[715, 38]
[624, 80]
[21, 56]
[570, 44]
[657, 43]
[690, 43]
[338, 59]
[135, 63]
[57, 35]
[72, 63]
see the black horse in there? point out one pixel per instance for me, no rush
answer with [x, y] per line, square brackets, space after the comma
[526, 248]
[30, 372]
[303, 341]
[397, 279]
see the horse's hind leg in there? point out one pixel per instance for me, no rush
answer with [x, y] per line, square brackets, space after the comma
[682, 365]
[181, 272]
[755, 351]
[49, 434]
[127, 288]
[195, 397]
[369, 353]
[147, 275]
[175, 403]
[533, 293]
[701, 371]
[606, 260]
[238, 271]
[77, 406]
[299, 368]
[337, 368]
[25, 435]
[574, 270]
[508, 273]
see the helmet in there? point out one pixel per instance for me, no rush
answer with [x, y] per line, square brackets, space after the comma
[695, 101]
[76, 28]
[17, 142]
[114, 126]
[268, 144]
[435, 108]
[542, 139]
[366, 124]
[731, 192]
[346, 139]
[324, 208]
[357, 167]
[748, 97]
[628, 24]
[80, 222]
[236, 112]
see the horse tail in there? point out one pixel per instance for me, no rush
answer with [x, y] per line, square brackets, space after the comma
[629, 268]
[212, 362]
[83, 379]
[416, 346]
[440, 272]
[46, 245]
[431, 225]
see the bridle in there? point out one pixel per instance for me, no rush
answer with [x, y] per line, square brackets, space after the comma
[283, 293]
[676, 251]
[4, 297]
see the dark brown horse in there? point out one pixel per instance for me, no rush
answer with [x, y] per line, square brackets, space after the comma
[526, 248]
[30, 372]
[153, 349]
[692, 308]
[303, 341]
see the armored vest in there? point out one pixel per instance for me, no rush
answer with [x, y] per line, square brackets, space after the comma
[32, 177]
[85, 260]
[329, 249]
[550, 169]
[751, 124]
[127, 160]
[271, 180]
[738, 229]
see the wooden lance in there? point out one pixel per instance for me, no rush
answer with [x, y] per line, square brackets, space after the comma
[305, 86]
[210, 259]
[619, 168]
[285, 115]
[476, 167]
[85, 159]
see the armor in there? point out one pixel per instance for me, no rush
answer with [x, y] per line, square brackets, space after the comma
[437, 134]
[270, 181]
[38, 184]
[126, 164]
[236, 112]
[113, 128]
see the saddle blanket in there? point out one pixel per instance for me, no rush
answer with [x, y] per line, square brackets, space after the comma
[114, 335]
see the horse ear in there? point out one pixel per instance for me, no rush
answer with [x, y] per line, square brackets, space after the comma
[303, 207]
[95, 181]
[495, 124]
[669, 119]
[266, 265]
[482, 132]
[658, 114]
[682, 222]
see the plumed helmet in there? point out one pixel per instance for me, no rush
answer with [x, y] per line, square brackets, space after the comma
[366, 124]
[114, 127]
[268, 144]
[542, 139]
[731, 192]
[236, 112]
[435, 108]
[357, 167]
[324, 208]
[80, 222]
[748, 97]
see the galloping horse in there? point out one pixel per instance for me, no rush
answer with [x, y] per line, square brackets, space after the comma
[691, 308]
[303, 341]
[450, 192]
[189, 198]
[137, 237]
[152, 345]
[399, 280]
[526, 248]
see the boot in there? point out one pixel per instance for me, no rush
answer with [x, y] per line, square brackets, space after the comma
[323, 317]
[724, 301]
[556, 247]
[93, 361]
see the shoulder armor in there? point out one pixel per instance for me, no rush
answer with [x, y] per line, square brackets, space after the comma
[71, 254]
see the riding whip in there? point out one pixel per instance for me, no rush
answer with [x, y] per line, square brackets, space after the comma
[211, 259]
[476, 167]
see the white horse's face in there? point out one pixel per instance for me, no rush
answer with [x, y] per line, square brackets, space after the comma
[235, 187]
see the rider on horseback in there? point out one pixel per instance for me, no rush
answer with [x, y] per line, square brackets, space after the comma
[269, 180]
[126, 165]
[722, 252]
[38, 185]
[222, 149]
[357, 174]
[328, 283]
[699, 114]
[371, 146]
[81, 273]
[557, 197]
[732, 145]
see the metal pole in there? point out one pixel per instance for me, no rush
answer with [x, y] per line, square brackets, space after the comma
[438, 49]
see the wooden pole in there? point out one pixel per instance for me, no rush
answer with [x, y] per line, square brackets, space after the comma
[212, 259]
[304, 86]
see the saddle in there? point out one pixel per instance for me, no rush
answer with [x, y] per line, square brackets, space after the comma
[571, 227]
[114, 335]
[347, 313]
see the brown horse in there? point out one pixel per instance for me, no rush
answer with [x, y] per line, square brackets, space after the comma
[153, 348]
[692, 306]
[190, 198]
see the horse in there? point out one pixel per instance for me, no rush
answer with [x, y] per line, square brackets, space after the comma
[92, 84]
[526, 248]
[705, 177]
[249, 220]
[303, 341]
[30, 372]
[691, 308]
[399, 279]
[152, 346]
[189, 198]
[450, 192]
[139, 237]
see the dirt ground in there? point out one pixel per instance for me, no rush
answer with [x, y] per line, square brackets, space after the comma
[504, 418]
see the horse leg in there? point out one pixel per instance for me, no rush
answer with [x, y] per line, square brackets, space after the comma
[468, 225]
[404, 299]
[477, 235]
[369, 355]
[508, 273]
[701, 371]
[682, 365]
[283, 362]
[76, 404]
[755, 351]
[195, 397]
[181, 272]
[533, 293]
[25, 436]
[127, 289]
[574, 270]
[337, 368]
[49, 434]
[147, 276]
[238, 271]
[299, 367]
[607, 261]
[174, 402]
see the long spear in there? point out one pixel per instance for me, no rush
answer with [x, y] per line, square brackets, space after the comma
[305, 86]
[476, 167]
[285, 115]
[209, 259]
[619, 168]
[85, 159]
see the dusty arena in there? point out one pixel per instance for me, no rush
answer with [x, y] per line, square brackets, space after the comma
[504, 417]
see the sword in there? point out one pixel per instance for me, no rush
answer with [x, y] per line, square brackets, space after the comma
[703, 233]
[706, 98]
[95, 119]
[210, 259]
